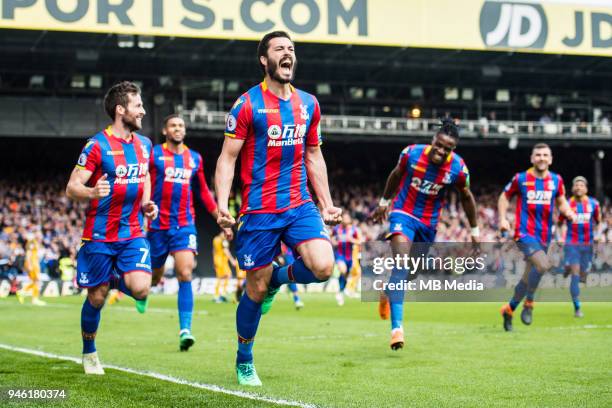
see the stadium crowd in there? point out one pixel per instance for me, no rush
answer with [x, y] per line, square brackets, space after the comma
[42, 211]
[39, 211]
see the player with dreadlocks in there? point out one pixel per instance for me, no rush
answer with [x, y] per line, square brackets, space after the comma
[413, 196]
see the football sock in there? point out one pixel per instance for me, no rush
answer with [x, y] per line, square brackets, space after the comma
[247, 320]
[293, 288]
[185, 305]
[217, 288]
[575, 290]
[342, 282]
[519, 294]
[297, 272]
[90, 319]
[396, 299]
[533, 280]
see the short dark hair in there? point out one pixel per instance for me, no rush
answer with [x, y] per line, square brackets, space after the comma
[171, 116]
[448, 127]
[540, 146]
[118, 95]
[262, 48]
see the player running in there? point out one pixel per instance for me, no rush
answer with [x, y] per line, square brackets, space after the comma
[32, 267]
[537, 191]
[177, 172]
[112, 174]
[419, 182]
[222, 258]
[344, 238]
[579, 237]
[274, 127]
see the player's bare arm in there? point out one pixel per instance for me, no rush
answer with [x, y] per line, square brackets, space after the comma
[77, 186]
[393, 182]
[469, 206]
[149, 208]
[317, 174]
[502, 210]
[224, 176]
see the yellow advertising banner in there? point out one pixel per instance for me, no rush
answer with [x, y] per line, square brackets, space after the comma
[549, 26]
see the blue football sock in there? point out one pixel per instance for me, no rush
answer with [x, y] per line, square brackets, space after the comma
[342, 282]
[247, 320]
[396, 299]
[519, 294]
[575, 290]
[297, 272]
[185, 305]
[533, 280]
[90, 319]
[293, 288]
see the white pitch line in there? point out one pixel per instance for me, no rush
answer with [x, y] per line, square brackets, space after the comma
[168, 378]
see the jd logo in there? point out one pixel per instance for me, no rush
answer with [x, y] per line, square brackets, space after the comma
[513, 25]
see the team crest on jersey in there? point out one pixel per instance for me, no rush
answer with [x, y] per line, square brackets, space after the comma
[145, 151]
[304, 112]
[248, 262]
[192, 163]
[83, 279]
[551, 184]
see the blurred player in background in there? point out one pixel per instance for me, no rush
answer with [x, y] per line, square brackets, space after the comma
[579, 237]
[112, 174]
[177, 172]
[222, 258]
[344, 238]
[274, 127]
[354, 272]
[418, 183]
[286, 258]
[537, 191]
[32, 267]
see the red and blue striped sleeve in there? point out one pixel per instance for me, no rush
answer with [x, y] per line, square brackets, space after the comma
[463, 179]
[201, 188]
[239, 119]
[314, 138]
[91, 157]
[596, 211]
[561, 189]
[404, 155]
[512, 187]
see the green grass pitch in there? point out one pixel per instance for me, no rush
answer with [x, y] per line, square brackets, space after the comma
[456, 355]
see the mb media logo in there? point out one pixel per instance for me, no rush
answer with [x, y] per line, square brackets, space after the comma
[513, 25]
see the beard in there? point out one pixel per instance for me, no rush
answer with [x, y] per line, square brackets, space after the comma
[130, 122]
[175, 140]
[273, 68]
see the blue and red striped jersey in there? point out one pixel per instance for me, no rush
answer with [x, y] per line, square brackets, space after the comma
[174, 179]
[421, 190]
[117, 216]
[273, 170]
[343, 235]
[588, 213]
[535, 203]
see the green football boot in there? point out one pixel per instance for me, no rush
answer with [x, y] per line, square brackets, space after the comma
[247, 375]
